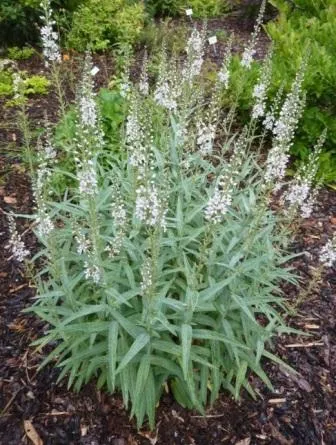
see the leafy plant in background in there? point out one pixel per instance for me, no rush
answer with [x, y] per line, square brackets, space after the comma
[31, 84]
[16, 53]
[100, 25]
[18, 21]
[209, 8]
[309, 25]
[201, 8]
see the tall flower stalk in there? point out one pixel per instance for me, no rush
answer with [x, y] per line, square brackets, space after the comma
[284, 130]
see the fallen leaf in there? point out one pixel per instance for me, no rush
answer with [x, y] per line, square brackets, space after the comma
[278, 436]
[31, 433]
[10, 200]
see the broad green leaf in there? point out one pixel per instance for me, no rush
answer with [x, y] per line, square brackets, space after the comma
[136, 347]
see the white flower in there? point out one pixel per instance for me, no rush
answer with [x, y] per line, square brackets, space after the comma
[88, 111]
[149, 207]
[261, 88]
[328, 253]
[49, 37]
[44, 223]
[147, 277]
[284, 130]
[205, 138]
[195, 52]
[247, 57]
[118, 213]
[125, 89]
[18, 84]
[83, 243]
[143, 84]
[92, 272]
[224, 77]
[87, 178]
[258, 110]
[15, 242]
[269, 121]
[249, 51]
[218, 204]
[165, 96]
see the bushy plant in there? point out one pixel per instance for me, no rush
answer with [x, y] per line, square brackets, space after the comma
[201, 8]
[35, 84]
[16, 53]
[209, 8]
[100, 25]
[18, 21]
[164, 7]
[162, 266]
[310, 25]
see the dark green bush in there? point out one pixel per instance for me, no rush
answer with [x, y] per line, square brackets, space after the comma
[100, 25]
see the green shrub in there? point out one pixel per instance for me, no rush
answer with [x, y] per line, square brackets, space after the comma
[164, 7]
[100, 25]
[208, 8]
[16, 53]
[18, 21]
[31, 84]
[311, 26]
[201, 8]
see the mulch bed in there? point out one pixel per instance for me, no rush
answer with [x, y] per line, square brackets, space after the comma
[301, 411]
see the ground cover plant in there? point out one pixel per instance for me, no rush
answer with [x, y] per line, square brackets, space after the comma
[159, 267]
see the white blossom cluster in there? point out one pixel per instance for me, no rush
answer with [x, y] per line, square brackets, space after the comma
[284, 130]
[119, 215]
[205, 137]
[328, 253]
[250, 49]
[138, 139]
[149, 207]
[49, 37]
[86, 101]
[166, 96]
[92, 272]
[46, 155]
[299, 194]
[261, 88]
[87, 178]
[224, 72]
[143, 83]
[221, 199]
[195, 53]
[83, 243]
[147, 277]
[18, 84]
[15, 243]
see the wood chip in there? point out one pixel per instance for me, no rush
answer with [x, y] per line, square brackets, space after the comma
[305, 345]
[246, 441]
[31, 433]
[276, 401]
[10, 200]
[312, 326]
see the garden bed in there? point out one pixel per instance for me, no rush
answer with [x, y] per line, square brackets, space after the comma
[301, 411]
